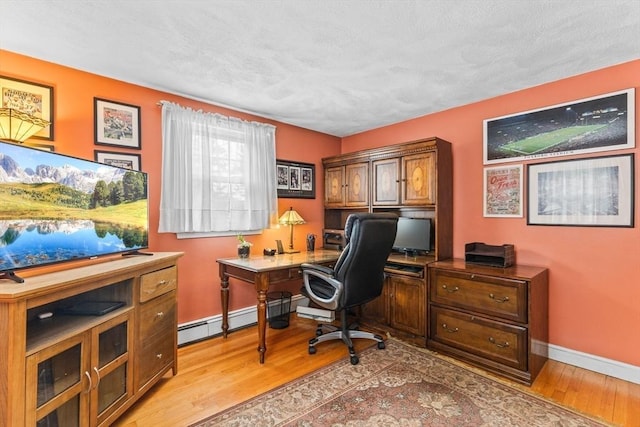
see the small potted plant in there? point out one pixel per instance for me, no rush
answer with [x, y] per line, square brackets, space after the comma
[244, 247]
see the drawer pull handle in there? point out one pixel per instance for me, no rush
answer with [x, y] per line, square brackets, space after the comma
[159, 356]
[492, 341]
[452, 290]
[162, 282]
[499, 300]
[446, 328]
[160, 314]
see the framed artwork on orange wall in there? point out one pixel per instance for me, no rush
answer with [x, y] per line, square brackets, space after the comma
[595, 191]
[32, 98]
[116, 124]
[596, 124]
[295, 180]
[503, 191]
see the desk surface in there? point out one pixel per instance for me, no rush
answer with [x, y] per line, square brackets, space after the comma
[261, 263]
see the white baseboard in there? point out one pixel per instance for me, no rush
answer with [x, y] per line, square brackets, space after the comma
[212, 326]
[613, 368]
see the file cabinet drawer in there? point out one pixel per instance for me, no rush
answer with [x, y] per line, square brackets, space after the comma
[497, 341]
[494, 296]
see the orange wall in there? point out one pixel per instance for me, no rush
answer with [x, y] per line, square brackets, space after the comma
[199, 285]
[594, 290]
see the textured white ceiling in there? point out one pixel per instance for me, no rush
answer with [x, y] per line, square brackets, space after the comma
[334, 66]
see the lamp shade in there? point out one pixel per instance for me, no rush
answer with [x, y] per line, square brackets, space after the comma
[291, 217]
[19, 126]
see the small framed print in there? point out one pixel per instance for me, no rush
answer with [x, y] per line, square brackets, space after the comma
[295, 180]
[32, 98]
[503, 191]
[121, 160]
[116, 124]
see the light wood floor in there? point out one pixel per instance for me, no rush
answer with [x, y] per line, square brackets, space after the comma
[218, 373]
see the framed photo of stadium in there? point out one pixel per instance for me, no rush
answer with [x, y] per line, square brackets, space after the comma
[596, 191]
[589, 125]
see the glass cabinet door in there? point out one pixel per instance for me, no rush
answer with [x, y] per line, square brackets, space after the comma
[59, 396]
[111, 366]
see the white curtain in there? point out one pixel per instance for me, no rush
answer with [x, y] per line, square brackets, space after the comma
[218, 173]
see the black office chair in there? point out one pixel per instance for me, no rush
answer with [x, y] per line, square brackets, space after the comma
[357, 277]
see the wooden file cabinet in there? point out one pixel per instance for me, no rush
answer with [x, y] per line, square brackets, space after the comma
[496, 318]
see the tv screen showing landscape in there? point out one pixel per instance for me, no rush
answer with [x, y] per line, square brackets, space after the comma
[56, 208]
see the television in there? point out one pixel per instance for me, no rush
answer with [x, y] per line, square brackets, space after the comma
[413, 236]
[56, 208]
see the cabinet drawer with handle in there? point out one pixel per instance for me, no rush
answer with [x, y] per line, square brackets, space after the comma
[495, 296]
[155, 354]
[500, 342]
[158, 316]
[157, 283]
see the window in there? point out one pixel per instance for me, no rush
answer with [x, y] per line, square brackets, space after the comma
[218, 173]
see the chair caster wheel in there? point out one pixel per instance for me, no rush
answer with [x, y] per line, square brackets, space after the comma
[381, 345]
[312, 350]
[354, 360]
[318, 332]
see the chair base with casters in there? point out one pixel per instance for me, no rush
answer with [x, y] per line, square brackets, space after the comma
[346, 334]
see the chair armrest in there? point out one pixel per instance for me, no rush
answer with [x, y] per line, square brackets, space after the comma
[322, 268]
[326, 275]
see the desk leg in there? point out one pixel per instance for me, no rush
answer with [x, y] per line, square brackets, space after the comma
[262, 285]
[224, 297]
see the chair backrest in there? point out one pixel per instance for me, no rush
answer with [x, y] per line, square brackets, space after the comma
[361, 265]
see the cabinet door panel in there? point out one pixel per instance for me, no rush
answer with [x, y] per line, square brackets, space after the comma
[407, 302]
[418, 179]
[357, 188]
[386, 182]
[334, 186]
[377, 309]
[57, 383]
[111, 366]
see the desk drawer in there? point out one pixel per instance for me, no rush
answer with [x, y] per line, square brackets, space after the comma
[285, 274]
[158, 283]
[496, 341]
[494, 296]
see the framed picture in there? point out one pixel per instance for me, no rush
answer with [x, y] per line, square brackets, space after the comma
[587, 192]
[32, 98]
[596, 124]
[503, 191]
[116, 124]
[121, 160]
[44, 147]
[295, 179]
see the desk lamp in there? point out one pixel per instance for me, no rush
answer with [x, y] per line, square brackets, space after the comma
[291, 218]
[18, 126]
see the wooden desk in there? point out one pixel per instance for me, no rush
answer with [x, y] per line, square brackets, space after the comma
[262, 271]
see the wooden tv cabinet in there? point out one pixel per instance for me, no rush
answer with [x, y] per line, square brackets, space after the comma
[86, 369]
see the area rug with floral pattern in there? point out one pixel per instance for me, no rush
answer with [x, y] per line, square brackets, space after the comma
[399, 386]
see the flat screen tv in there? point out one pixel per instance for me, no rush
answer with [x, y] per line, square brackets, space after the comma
[413, 236]
[56, 208]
